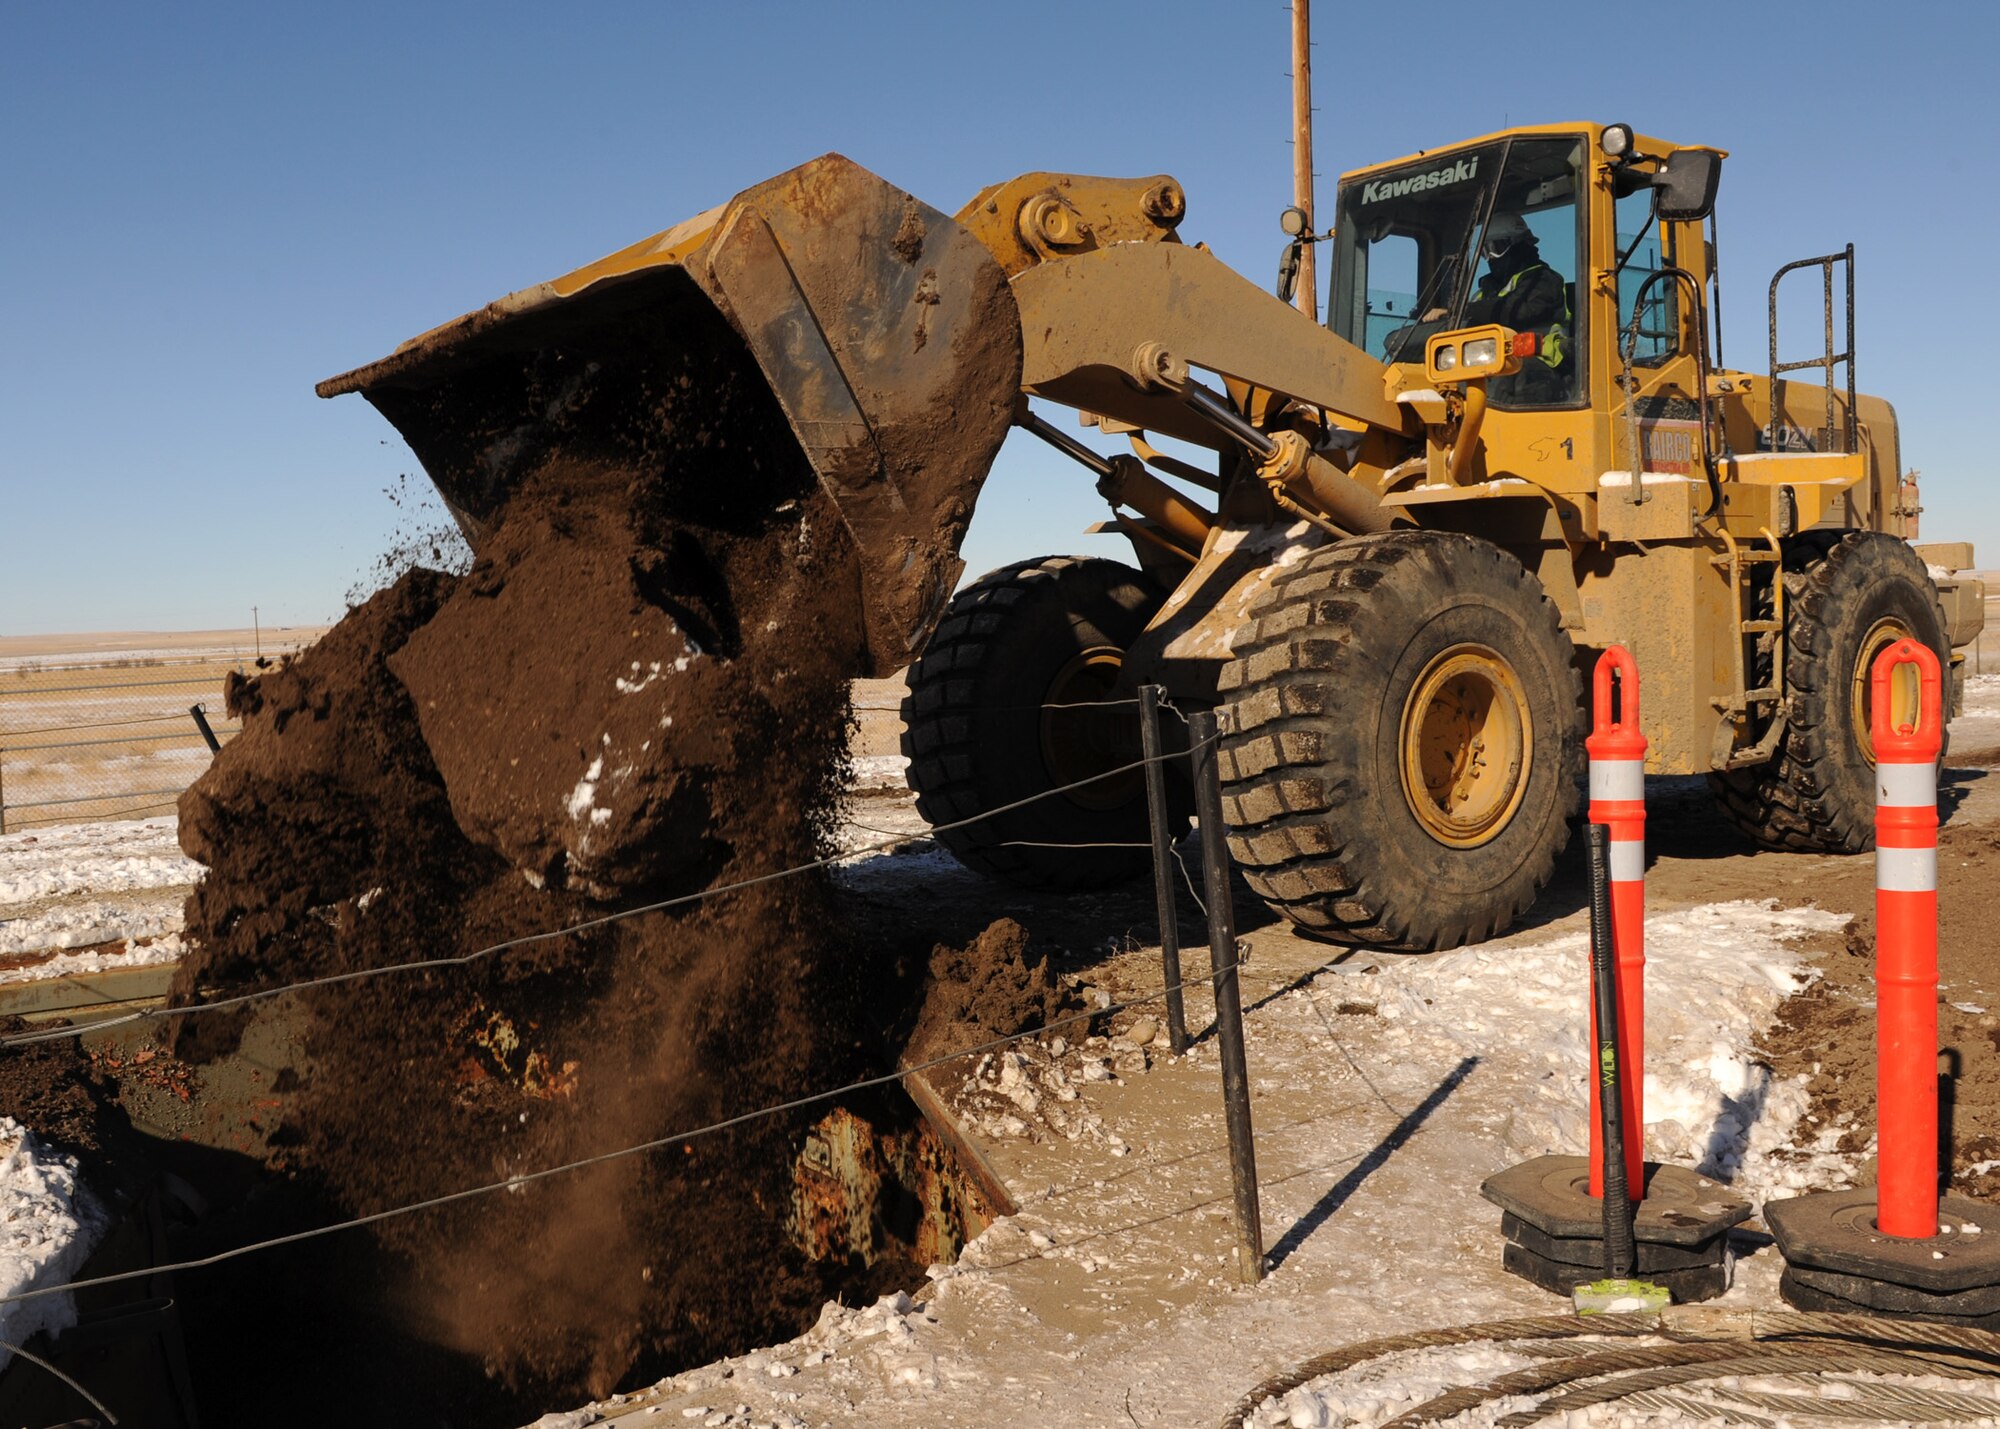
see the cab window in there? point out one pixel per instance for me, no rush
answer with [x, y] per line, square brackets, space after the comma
[1659, 333]
[1472, 236]
[1528, 268]
[1402, 241]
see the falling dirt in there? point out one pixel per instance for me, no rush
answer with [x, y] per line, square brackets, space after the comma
[640, 690]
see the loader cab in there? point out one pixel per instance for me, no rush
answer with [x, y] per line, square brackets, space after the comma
[1487, 232]
[1413, 255]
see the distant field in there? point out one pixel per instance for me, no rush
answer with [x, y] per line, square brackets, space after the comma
[104, 646]
[98, 725]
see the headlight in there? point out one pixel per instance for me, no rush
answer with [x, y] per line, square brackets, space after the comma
[1446, 358]
[1481, 353]
[1293, 221]
[1616, 141]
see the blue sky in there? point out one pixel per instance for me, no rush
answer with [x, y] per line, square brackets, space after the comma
[209, 207]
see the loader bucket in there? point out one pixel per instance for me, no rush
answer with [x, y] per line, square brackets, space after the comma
[884, 329]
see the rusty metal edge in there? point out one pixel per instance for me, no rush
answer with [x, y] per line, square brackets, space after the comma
[977, 1168]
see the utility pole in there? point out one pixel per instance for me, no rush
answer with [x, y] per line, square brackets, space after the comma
[257, 632]
[1307, 293]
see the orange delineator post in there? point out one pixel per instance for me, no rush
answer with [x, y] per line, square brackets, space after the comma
[1618, 800]
[1906, 824]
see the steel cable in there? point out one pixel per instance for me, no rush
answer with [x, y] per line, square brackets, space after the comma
[93, 724]
[1874, 1400]
[1660, 1365]
[1540, 1327]
[22, 1039]
[1705, 1342]
[1808, 1357]
[88, 1398]
[658, 1143]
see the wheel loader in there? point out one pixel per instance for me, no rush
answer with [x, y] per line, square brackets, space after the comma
[1384, 546]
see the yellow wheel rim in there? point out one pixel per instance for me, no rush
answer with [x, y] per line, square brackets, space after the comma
[1904, 689]
[1079, 741]
[1467, 746]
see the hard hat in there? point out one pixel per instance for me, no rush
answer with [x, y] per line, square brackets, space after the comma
[1504, 232]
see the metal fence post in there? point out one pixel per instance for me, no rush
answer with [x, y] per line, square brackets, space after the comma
[207, 734]
[1228, 998]
[3, 789]
[1163, 878]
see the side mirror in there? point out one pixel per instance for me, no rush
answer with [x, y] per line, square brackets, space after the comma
[1686, 183]
[1288, 269]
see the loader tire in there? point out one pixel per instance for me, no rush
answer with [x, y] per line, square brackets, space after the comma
[1845, 600]
[1403, 741]
[979, 733]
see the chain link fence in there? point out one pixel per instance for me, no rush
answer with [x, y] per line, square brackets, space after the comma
[113, 740]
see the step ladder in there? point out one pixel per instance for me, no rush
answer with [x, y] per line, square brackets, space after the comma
[1743, 704]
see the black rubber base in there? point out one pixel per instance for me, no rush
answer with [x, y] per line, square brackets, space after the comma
[1587, 1252]
[1837, 1260]
[1552, 1194]
[1555, 1228]
[1852, 1295]
[1687, 1286]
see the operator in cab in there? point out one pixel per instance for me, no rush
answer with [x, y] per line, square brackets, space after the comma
[1520, 291]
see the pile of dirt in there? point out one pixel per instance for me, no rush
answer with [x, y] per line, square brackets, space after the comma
[996, 986]
[639, 690]
[68, 1101]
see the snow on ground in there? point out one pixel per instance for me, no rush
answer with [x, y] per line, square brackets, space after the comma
[93, 858]
[147, 950]
[1978, 724]
[48, 1227]
[1385, 1089]
[879, 773]
[84, 885]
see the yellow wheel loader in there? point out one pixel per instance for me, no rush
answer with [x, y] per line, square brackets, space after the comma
[1513, 442]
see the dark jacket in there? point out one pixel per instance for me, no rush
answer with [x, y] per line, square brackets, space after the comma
[1526, 295]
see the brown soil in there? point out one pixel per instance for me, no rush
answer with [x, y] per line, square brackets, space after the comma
[995, 986]
[63, 1096]
[1827, 1033]
[639, 690]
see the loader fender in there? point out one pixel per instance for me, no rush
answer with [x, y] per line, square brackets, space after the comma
[1192, 635]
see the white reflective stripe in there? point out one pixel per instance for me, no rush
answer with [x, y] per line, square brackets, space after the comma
[1628, 860]
[1906, 870]
[1617, 779]
[1906, 786]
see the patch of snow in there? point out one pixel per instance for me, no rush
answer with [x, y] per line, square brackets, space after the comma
[1715, 975]
[585, 793]
[81, 925]
[48, 1227]
[879, 771]
[120, 857]
[1386, 1088]
[640, 681]
[166, 949]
